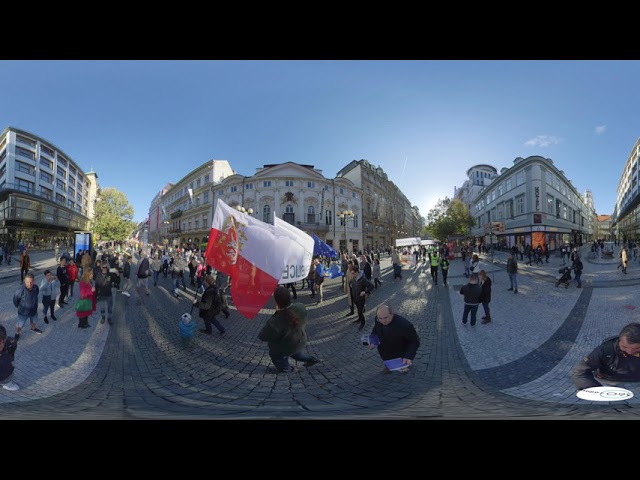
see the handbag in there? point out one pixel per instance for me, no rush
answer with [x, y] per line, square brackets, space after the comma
[84, 305]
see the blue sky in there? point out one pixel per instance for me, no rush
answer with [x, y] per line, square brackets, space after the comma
[142, 124]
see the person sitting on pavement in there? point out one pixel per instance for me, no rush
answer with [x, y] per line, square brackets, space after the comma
[617, 359]
[285, 333]
[398, 337]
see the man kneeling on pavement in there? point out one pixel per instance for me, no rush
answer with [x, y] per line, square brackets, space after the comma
[398, 337]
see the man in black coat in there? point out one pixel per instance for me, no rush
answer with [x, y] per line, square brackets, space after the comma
[398, 337]
[63, 278]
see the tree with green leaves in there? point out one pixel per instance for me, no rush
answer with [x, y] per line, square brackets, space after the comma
[448, 218]
[113, 216]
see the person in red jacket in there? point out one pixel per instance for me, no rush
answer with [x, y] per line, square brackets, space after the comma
[72, 273]
[87, 290]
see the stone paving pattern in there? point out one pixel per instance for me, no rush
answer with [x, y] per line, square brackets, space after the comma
[517, 366]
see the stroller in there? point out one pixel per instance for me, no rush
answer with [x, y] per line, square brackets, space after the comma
[564, 277]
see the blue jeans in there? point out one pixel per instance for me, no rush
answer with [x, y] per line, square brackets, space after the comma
[578, 275]
[513, 278]
[156, 274]
[470, 308]
[281, 362]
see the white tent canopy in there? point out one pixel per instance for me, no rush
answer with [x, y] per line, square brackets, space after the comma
[407, 242]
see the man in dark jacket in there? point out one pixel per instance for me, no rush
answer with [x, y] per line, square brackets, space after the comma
[398, 337]
[210, 305]
[615, 360]
[471, 292]
[8, 348]
[104, 295]
[26, 301]
[360, 288]
[285, 333]
[63, 278]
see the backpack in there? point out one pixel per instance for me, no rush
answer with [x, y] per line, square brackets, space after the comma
[216, 306]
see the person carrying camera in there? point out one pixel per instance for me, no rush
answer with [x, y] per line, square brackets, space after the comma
[8, 346]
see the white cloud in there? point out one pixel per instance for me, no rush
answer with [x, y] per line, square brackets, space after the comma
[600, 130]
[543, 141]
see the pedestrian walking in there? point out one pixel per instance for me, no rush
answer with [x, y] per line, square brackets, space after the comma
[577, 268]
[87, 290]
[63, 278]
[25, 264]
[49, 289]
[444, 266]
[485, 296]
[512, 270]
[25, 299]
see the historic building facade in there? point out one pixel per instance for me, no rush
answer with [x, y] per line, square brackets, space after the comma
[387, 214]
[302, 196]
[531, 202]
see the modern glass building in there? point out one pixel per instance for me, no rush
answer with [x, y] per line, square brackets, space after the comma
[625, 220]
[44, 196]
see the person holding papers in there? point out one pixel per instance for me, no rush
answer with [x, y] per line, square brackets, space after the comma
[398, 337]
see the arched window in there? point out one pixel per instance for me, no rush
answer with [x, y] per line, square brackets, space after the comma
[311, 214]
[266, 214]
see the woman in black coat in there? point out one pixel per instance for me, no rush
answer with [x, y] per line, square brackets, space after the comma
[485, 295]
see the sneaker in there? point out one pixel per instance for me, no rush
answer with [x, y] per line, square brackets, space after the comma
[126, 293]
[515, 291]
[485, 321]
[312, 361]
[53, 318]
[509, 289]
[36, 330]
[11, 386]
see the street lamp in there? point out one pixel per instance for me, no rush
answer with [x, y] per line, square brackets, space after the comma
[344, 217]
[244, 210]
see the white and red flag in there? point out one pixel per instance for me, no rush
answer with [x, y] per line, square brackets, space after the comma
[256, 255]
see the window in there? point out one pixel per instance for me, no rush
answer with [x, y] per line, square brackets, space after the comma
[3, 142]
[353, 194]
[198, 201]
[25, 185]
[25, 168]
[500, 189]
[341, 191]
[46, 150]
[248, 186]
[205, 197]
[326, 188]
[288, 183]
[509, 208]
[508, 184]
[198, 183]
[25, 141]
[493, 195]
[72, 181]
[558, 205]
[205, 221]
[3, 170]
[564, 211]
[79, 198]
[221, 192]
[72, 192]
[288, 209]
[72, 170]
[25, 153]
[311, 214]
[233, 189]
[62, 161]
[197, 223]
[70, 204]
[549, 204]
[501, 212]
[520, 204]
[46, 192]
[355, 221]
[61, 172]
[266, 214]
[61, 185]
[3, 155]
[328, 217]
[549, 178]
[206, 179]
[266, 183]
[519, 178]
[190, 186]
[311, 185]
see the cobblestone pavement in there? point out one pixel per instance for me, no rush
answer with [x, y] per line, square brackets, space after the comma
[517, 366]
